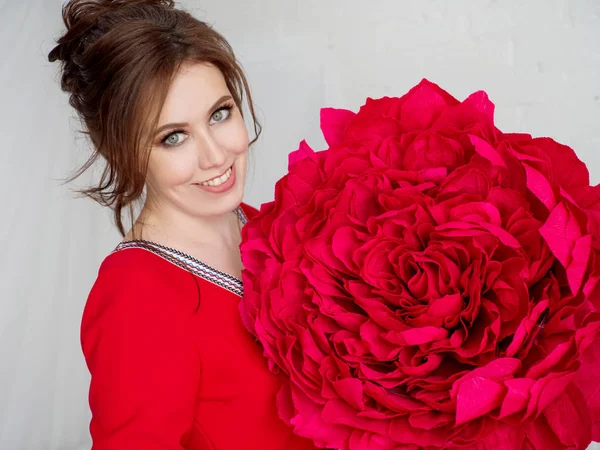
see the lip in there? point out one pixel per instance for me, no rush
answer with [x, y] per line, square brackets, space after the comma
[222, 187]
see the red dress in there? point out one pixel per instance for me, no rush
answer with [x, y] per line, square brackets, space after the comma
[172, 365]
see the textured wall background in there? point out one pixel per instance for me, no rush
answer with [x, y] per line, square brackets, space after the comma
[539, 60]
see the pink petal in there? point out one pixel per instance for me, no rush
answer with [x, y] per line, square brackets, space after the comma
[503, 437]
[505, 237]
[304, 151]
[500, 368]
[377, 345]
[517, 396]
[525, 328]
[547, 390]
[402, 432]
[362, 440]
[481, 102]
[308, 420]
[351, 391]
[487, 151]
[422, 105]
[560, 231]
[569, 419]
[429, 420]
[449, 305]
[580, 257]
[344, 243]
[418, 336]
[285, 405]
[546, 365]
[540, 436]
[333, 124]
[478, 212]
[587, 381]
[476, 397]
[339, 412]
[395, 402]
[568, 170]
[539, 185]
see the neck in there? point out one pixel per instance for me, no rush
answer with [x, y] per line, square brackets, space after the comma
[177, 229]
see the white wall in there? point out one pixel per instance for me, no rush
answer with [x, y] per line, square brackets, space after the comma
[539, 60]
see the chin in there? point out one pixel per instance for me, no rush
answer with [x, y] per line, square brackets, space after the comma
[215, 205]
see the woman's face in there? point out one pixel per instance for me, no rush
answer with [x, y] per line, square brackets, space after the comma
[198, 161]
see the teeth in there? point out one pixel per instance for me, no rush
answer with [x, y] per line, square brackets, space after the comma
[219, 180]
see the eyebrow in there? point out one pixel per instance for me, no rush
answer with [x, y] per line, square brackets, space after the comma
[185, 124]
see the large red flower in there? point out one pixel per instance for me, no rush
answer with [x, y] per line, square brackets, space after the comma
[430, 282]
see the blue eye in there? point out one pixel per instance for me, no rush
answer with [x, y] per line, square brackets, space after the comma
[175, 138]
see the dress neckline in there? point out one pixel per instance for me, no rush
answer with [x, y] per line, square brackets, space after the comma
[188, 262]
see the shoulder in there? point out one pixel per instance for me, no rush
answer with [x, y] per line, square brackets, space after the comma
[136, 282]
[139, 270]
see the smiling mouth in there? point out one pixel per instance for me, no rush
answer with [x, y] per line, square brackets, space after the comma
[217, 181]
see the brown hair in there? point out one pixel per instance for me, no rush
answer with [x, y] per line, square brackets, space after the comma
[118, 60]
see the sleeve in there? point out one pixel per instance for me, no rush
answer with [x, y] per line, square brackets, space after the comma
[144, 368]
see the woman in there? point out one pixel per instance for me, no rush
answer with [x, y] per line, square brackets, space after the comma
[160, 94]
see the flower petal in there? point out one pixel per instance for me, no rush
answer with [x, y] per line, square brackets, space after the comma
[476, 397]
[333, 124]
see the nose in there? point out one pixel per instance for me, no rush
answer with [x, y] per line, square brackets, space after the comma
[210, 153]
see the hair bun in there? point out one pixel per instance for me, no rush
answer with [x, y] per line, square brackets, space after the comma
[80, 17]
[83, 22]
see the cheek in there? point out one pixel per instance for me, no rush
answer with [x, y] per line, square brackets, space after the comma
[170, 168]
[234, 136]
